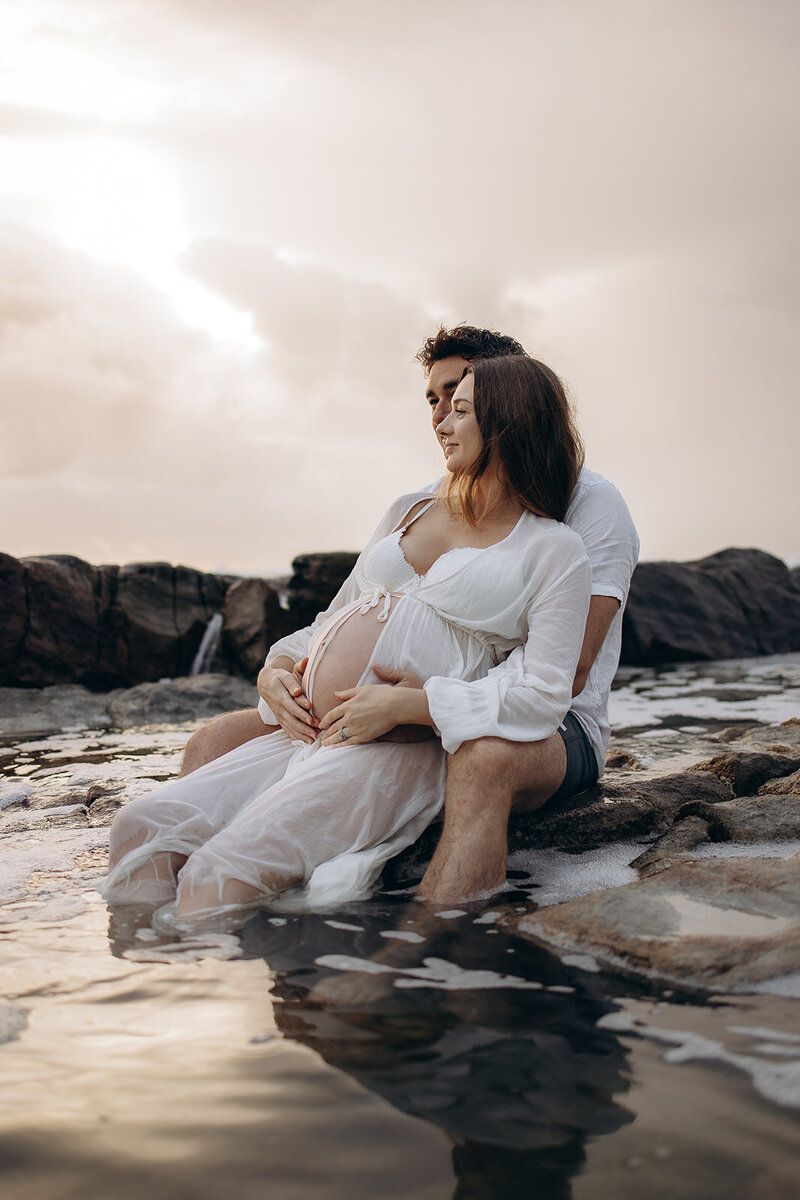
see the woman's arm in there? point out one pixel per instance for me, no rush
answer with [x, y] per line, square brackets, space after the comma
[525, 698]
[372, 710]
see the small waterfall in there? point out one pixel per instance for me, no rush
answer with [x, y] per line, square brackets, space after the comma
[208, 647]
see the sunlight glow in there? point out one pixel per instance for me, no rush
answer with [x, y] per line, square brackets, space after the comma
[121, 203]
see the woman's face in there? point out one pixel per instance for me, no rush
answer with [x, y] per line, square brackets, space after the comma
[459, 432]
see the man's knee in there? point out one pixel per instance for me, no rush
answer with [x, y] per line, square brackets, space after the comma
[487, 759]
[522, 773]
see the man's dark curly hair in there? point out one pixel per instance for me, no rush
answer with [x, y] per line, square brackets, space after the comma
[465, 341]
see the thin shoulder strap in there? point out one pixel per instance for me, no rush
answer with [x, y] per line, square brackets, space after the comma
[408, 521]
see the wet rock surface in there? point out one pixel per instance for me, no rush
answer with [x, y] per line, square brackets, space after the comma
[608, 813]
[718, 925]
[176, 701]
[38, 712]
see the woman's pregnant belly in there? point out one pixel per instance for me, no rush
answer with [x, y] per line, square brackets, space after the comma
[340, 663]
[414, 639]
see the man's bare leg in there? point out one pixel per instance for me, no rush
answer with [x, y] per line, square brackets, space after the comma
[220, 736]
[485, 780]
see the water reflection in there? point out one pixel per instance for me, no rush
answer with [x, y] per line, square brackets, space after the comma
[517, 1074]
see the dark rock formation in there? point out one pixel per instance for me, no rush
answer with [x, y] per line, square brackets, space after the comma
[65, 621]
[252, 619]
[13, 610]
[316, 580]
[733, 604]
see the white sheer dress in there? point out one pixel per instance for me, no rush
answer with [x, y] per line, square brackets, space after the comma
[314, 825]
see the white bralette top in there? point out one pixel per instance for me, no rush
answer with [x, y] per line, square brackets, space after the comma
[386, 566]
[387, 569]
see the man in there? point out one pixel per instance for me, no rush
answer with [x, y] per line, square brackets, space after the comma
[489, 777]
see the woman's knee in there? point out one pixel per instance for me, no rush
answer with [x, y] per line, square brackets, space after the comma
[138, 822]
[208, 882]
[129, 829]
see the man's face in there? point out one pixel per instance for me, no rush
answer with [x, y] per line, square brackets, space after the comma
[442, 382]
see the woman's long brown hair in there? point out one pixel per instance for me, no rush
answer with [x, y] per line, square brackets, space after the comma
[523, 413]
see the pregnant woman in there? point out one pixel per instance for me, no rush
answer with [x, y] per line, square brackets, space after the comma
[477, 592]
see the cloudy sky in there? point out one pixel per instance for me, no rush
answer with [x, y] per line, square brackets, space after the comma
[225, 229]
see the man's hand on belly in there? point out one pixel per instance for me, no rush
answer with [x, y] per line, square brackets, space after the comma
[403, 733]
[398, 678]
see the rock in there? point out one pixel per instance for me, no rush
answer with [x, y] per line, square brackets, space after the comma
[786, 785]
[755, 819]
[252, 619]
[622, 759]
[746, 772]
[732, 604]
[61, 640]
[154, 620]
[177, 701]
[64, 621]
[13, 609]
[316, 580]
[747, 819]
[56, 794]
[732, 733]
[104, 800]
[613, 812]
[45, 818]
[35, 712]
[777, 739]
[674, 844]
[722, 925]
[15, 793]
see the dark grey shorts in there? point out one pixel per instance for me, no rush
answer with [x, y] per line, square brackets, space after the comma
[581, 761]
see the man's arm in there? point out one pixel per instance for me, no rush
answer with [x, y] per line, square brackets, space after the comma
[602, 610]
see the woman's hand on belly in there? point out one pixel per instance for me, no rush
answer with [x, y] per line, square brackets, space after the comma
[283, 691]
[365, 713]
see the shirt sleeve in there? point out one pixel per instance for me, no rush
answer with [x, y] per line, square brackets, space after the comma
[602, 520]
[525, 698]
[295, 645]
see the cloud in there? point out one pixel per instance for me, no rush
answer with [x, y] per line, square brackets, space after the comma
[122, 428]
